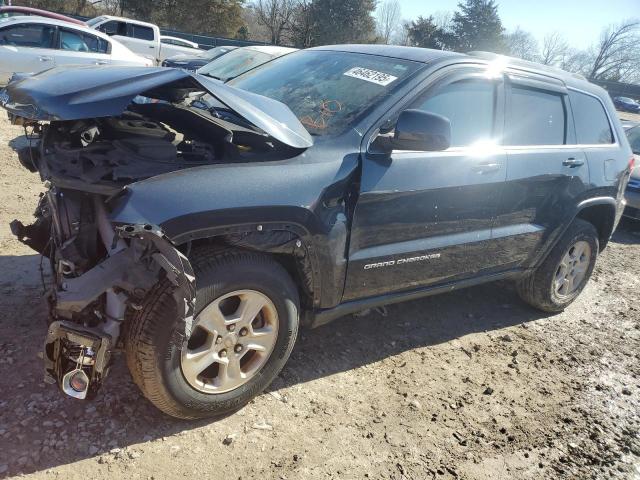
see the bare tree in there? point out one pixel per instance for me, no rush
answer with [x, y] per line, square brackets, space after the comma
[388, 20]
[276, 16]
[616, 51]
[522, 44]
[554, 49]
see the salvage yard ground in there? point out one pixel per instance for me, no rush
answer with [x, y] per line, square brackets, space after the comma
[468, 385]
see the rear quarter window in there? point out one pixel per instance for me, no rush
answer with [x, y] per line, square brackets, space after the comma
[590, 118]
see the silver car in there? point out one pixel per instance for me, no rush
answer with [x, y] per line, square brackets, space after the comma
[33, 44]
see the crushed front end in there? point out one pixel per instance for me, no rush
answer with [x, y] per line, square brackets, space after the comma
[92, 133]
[99, 276]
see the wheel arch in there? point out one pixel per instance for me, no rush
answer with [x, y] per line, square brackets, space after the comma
[601, 213]
[287, 244]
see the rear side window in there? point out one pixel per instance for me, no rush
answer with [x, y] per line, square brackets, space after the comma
[469, 106]
[592, 124]
[82, 42]
[28, 35]
[536, 117]
[139, 31]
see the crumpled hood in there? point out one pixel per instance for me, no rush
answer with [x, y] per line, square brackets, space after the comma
[91, 92]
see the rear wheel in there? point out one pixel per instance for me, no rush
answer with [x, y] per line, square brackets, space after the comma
[245, 326]
[558, 281]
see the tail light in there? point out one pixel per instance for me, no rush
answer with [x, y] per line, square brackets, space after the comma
[632, 162]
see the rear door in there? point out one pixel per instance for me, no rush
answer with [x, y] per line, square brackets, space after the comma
[80, 48]
[26, 48]
[546, 172]
[425, 218]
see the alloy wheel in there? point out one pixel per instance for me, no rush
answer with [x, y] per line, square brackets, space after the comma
[572, 270]
[231, 341]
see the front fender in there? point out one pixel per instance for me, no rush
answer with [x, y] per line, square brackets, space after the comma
[303, 197]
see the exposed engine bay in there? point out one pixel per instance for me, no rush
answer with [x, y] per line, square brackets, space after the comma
[100, 273]
[102, 155]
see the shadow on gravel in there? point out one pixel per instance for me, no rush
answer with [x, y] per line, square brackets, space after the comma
[40, 428]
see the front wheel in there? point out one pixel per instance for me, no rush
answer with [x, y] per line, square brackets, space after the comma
[245, 326]
[558, 281]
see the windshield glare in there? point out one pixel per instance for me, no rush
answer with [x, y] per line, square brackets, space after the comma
[234, 63]
[328, 91]
[216, 52]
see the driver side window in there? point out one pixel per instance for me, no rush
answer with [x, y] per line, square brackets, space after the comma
[470, 107]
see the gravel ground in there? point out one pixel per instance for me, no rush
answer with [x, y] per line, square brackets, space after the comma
[467, 385]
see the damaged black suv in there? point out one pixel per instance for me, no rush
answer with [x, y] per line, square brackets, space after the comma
[197, 224]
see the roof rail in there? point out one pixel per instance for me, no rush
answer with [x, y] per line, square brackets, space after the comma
[518, 62]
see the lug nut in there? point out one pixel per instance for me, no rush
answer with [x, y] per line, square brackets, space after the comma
[238, 348]
[243, 332]
[231, 327]
[223, 353]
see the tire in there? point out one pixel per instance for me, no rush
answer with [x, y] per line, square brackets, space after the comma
[540, 288]
[158, 366]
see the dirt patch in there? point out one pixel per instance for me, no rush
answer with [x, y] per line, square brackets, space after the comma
[472, 384]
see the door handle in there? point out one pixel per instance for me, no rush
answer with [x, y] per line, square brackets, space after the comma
[152, 46]
[486, 167]
[101, 62]
[44, 58]
[573, 162]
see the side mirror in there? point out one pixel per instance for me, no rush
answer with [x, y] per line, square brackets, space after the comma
[422, 131]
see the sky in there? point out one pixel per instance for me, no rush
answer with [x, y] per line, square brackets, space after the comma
[580, 21]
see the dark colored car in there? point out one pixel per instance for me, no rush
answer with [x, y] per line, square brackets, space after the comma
[195, 61]
[632, 194]
[197, 224]
[626, 104]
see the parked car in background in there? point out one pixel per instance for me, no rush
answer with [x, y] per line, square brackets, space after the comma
[193, 62]
[632, 193]
[12, 11]
[626, 104]
[178, 42]
[242, 60]
[33, 44]
[142, 38]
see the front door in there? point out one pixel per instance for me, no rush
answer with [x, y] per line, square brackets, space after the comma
[425, 218]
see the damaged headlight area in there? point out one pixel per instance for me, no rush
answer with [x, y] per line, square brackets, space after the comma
[99, 276]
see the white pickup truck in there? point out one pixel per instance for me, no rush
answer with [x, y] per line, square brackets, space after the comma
[142, 38]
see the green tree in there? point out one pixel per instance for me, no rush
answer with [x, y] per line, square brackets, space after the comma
[477, 26]
[210, 17]
[423, 32]
[242, 33]
[343, 21]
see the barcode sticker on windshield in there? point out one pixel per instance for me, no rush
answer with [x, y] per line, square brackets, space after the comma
[372, 76]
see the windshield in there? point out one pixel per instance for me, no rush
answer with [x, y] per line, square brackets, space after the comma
[234, 63]
[215, 52]
[633, 134]
[328, 91]
[93, 21]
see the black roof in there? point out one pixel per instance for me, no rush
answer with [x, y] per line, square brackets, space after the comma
[427, 55]
[416, 54]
